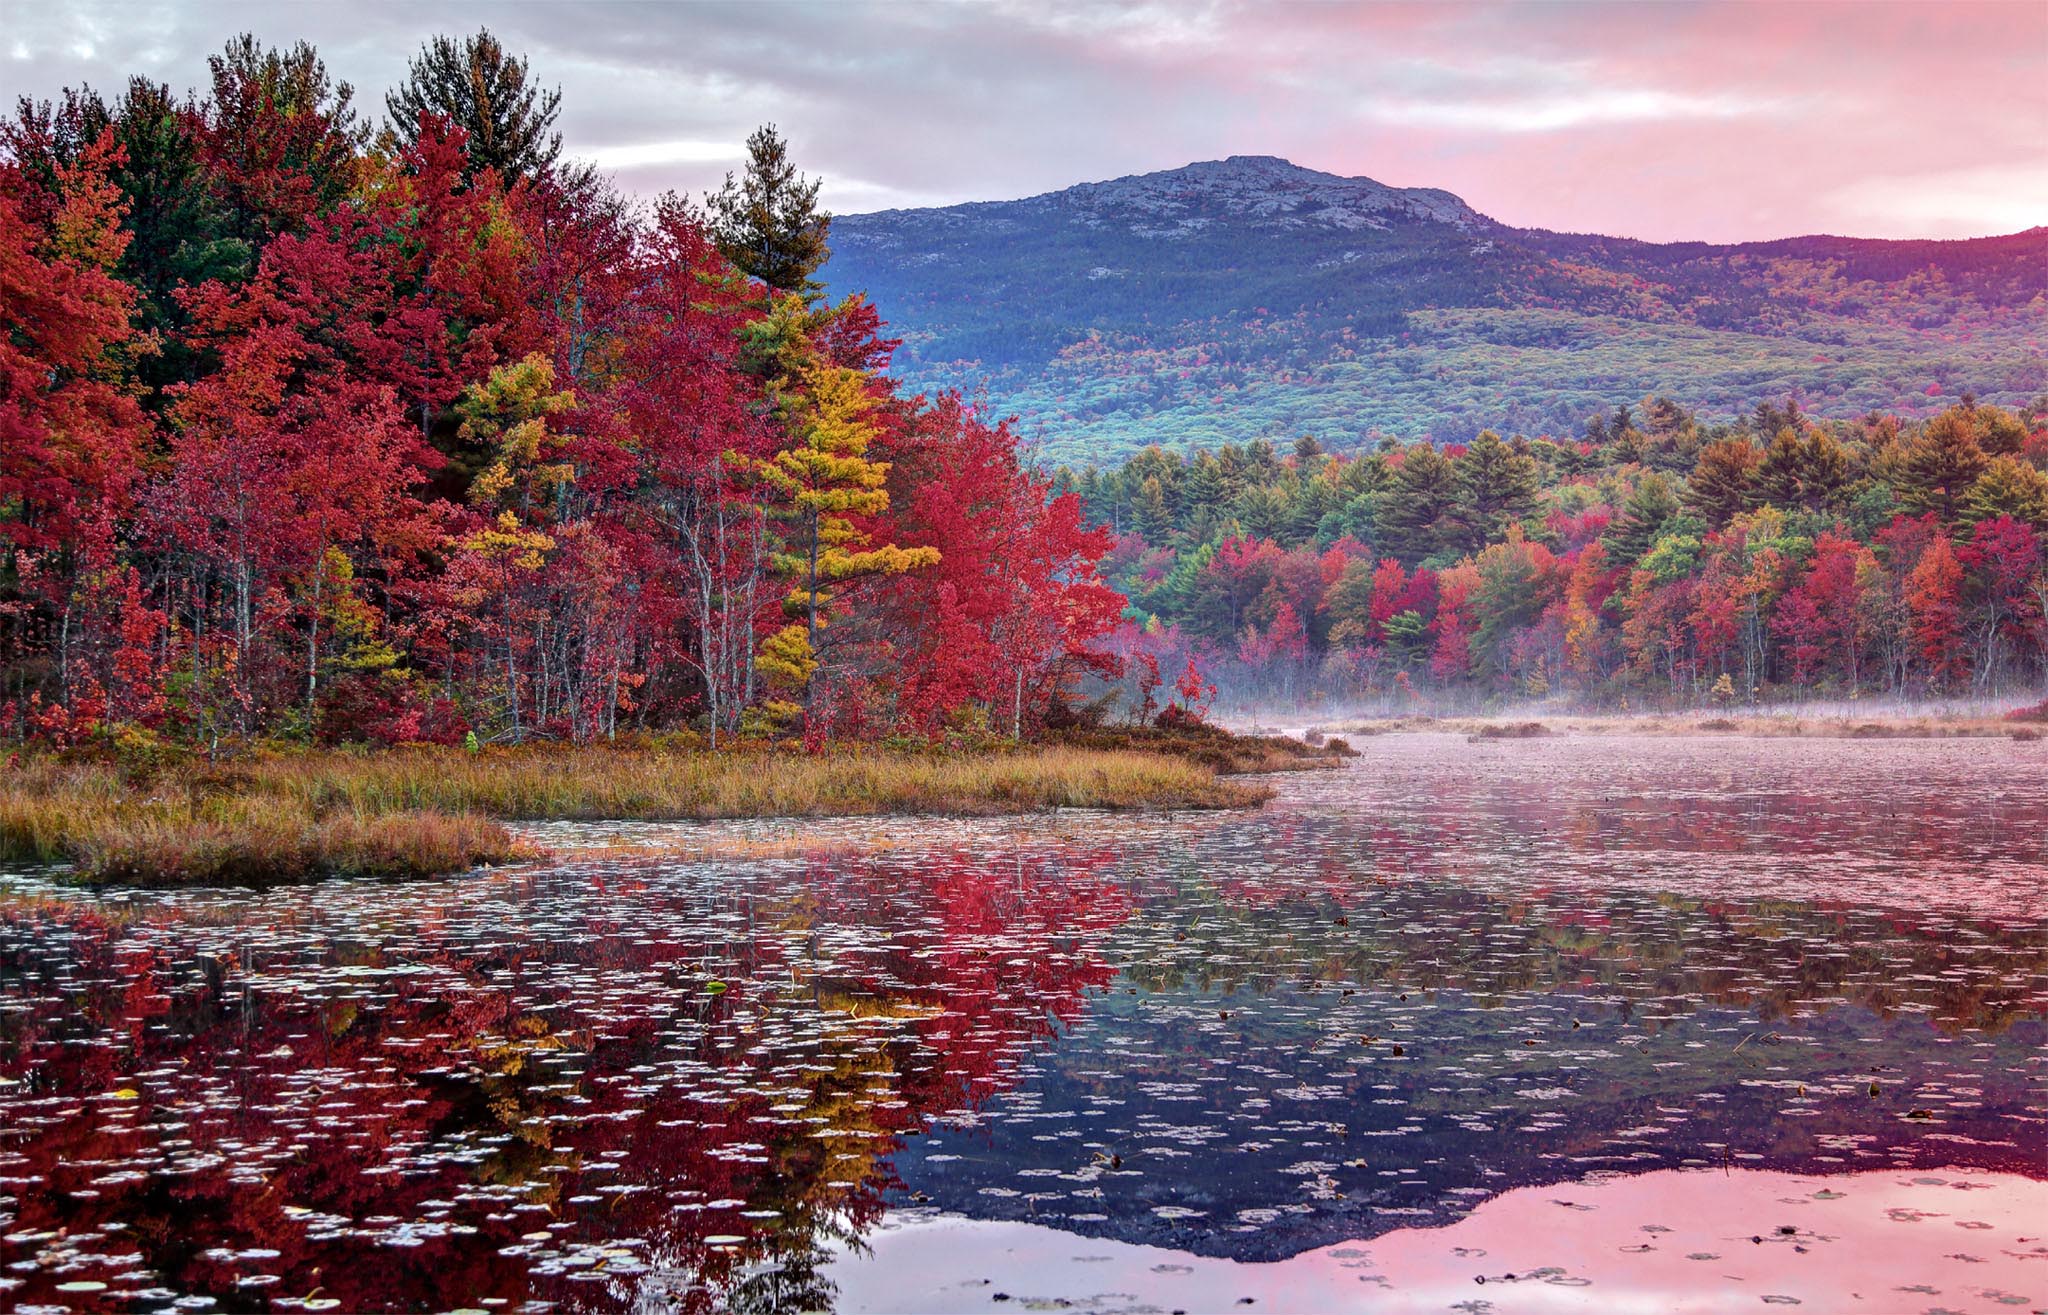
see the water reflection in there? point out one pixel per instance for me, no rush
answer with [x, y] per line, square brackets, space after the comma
[1402, 991]
[1684, 1242]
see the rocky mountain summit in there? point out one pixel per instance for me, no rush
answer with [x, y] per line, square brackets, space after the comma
[1251, 297]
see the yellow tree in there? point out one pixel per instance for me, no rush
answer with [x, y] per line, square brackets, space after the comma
[823, 481]
[499, 571]
[1582, 640]
[489, 587]
[336, 612]
[506, 417]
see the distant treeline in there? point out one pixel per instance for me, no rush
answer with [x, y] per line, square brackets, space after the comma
[1655, 558]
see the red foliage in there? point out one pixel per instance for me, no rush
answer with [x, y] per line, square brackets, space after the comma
[281, 540]
[1934, 595]
[311, 528]
[1014, 611]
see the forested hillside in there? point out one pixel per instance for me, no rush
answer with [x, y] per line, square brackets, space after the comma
[1658, 561]
[1248, 298]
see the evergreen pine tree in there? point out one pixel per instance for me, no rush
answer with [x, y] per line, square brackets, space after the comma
[1650, 507]
[1769, 418]
[1416, 516]
[1825, 476]
[179, 228]
[1497, 487]
[478, 87]
[767, 221]
[1779, 474]
[1149, 514]
[1204, 497]
[1262, 510]
[2000, 432]
[1941, 466]
[1365, 475]
[1723, 484]
[1316, 499]
[2009, 487]
[1204, 487]
[1261, 461]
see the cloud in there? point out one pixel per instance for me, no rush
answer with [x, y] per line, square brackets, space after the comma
[1724, 121]
[1557, 111]
[636, 155]
[1952, 203]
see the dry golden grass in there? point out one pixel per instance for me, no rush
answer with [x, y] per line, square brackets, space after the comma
[604, 784]
[424, 811]
[189, 829]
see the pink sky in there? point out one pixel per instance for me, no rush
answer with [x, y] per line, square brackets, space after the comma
[1663, 120]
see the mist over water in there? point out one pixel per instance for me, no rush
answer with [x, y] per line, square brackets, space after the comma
[1900, 717]
[1667, 1020]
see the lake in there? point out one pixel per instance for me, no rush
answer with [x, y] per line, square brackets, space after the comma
[1576, 1023]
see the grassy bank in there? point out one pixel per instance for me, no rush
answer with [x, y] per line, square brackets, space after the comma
[418, 812]
[175, 832]
[596, 784]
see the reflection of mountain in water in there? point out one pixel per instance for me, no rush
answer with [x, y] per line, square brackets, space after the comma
[1257, 1106]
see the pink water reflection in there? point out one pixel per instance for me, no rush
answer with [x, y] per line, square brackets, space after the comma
[1669, 1241]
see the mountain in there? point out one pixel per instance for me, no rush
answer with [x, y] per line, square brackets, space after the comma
[1250, 297]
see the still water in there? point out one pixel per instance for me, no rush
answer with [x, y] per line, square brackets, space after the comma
[1567, 1024]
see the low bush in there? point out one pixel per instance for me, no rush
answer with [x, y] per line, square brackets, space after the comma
[1221, 751]
[2031, 713]
[1522, 730]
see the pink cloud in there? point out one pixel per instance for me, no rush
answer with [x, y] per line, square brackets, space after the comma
[1722, 121]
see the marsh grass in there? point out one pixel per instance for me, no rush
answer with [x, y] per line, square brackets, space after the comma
[1518, 730]
[188, 829]
[419, 812]
[589, 785]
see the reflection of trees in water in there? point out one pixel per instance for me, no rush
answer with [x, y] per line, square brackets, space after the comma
[1301, 1037]
[296, 1072]
[283, 1099]
[790, 1276]
[1908, 824]
[1779, 958]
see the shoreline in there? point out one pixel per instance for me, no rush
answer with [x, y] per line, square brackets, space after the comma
[422, 811]
[1732, 725]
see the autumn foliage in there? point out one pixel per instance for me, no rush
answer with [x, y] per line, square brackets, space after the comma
[1658, 561]
[310, 438]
